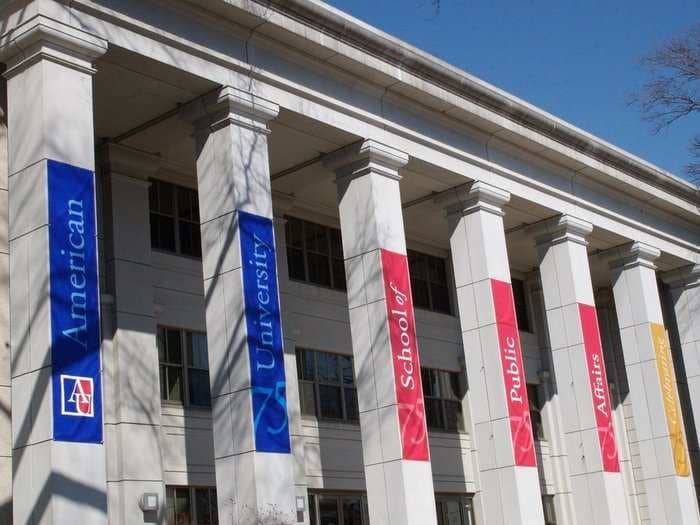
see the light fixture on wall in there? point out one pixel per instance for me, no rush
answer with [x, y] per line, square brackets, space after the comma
[148, 502]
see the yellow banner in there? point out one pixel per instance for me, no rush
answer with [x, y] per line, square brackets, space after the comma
[662, 348]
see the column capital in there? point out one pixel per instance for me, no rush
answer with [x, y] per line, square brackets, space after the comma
[42, 38]
[631, 255]
[683, 277]
[130, 162]
[477, 196]
[230, 105]
[559, 229]
[366, 156]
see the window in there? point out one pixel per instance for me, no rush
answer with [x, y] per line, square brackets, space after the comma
[548, 506]
[315, 254]
[443, 399]
[174, 218]
[429, 282]
[521, 313]
[533, 397]
[184, 366]
[327, 385]
[191, 506]
[338, 509]
[453, 509]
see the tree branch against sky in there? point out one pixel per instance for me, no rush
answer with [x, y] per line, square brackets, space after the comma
[673, 91]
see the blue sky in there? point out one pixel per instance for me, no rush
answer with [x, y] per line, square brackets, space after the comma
[576, 59]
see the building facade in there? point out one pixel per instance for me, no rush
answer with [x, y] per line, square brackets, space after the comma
[263, 263]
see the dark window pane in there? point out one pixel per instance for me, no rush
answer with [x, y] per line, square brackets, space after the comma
[197, 350]
[319, 271]
[160, 341]
[307, 396]
[187, 205]
[153, 196]
[174, 383]
[173, 343]
[312, 509]
[431, 382]
[294, 232]
[352, 511]
[351, 409]
[436, 270]
[346, 369]
[338, 274]
[453, 415]
[162, 232]
[336, 243]
[316, 238]
[327, 367]
[331, 406]
[455, 385]
[190, 241]
[548, 506]
[214, 507]
[416, 266]
[441, 298]
[520, 305]
[328, 510]
[433, 413]
[535, 411]
[199, 387]
[421, 298]
[305, 364]
[295, 264]
[181, 508]
[163, 376]
[201, 498]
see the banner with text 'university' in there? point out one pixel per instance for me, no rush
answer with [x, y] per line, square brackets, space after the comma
[74, 297]
[265, 347]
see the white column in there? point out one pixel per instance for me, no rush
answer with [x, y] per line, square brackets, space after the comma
[652, 384]
[390, 395]
[58, 456]
[254, 464]
[684, 289]
[563, 499]
[5, 368]
[502, 431]
[579, 371]
[130, 357]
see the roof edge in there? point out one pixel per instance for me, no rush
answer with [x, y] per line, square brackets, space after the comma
[346, 28]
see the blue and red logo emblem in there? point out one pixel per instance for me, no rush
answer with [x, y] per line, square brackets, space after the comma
[76, 396]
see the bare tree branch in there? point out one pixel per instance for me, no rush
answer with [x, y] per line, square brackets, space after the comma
[673, 91]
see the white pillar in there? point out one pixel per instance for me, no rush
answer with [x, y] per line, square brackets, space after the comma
[58, 456]
[684, 290]
[254, 464]
[563, 499]
[130, 360]
[509, 490]
[5, 368]
[652, 383]
[390, 395]
[579, 371]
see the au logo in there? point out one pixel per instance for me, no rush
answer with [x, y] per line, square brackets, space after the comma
[76, 396]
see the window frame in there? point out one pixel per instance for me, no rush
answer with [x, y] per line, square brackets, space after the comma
[314, 497]
[316, 383]
[444, 377]
[185, 367]
[466, 506]
[176, 218]
[428, 281]
[538, 432]
[192, 497]
[305, 251]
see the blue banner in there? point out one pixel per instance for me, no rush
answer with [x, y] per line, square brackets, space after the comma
[262, 313]
[75, 319]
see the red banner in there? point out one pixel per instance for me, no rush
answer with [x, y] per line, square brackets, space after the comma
[513, 374]
[599, 387]
[404, 349]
